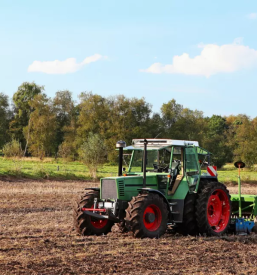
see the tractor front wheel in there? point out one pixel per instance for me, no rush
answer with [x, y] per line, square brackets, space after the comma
[147, 215]
[84, 224]
[213, 209]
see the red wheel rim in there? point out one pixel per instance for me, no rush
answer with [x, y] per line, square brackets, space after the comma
[218, 210]
[98, 223]
[155, 224]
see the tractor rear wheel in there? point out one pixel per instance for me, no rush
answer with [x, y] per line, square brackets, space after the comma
[213, 209]
[147, 216]
[84, 224]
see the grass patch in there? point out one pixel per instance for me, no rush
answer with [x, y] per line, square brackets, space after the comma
[50, 169]
[58, 169]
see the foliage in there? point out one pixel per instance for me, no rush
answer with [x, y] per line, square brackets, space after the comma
[113, 118]
[67, 151]
[64, 108]
[22, 108]
[215, 140]
[93, 153]
[13, 149]
[42, 131]
[5, 117]
[246, 139]
[60, 126]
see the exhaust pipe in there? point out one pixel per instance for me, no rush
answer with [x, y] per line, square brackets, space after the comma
[144, 163]
[120, 144]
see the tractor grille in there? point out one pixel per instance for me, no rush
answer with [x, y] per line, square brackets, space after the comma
[109, 189]
[121, 188]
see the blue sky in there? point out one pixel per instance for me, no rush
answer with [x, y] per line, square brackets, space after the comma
[115, 45]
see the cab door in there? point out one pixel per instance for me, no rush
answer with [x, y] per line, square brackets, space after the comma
[192, 168]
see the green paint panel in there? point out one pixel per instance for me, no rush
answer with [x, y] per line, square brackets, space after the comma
[181, 191]
[128, 186]
[248, 198]
[133, 183]
[249, 204]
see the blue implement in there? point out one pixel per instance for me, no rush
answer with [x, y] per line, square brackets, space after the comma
[243, 226]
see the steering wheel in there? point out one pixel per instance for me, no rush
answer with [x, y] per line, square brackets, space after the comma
[160, 168]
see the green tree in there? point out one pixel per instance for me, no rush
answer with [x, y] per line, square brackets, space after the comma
[68, 149]
[64, 108]
[171, 113]
[22, 109]
[93, 153]
[155, 126]
[234, 124]
[246, 140]
[126, 119]
[182, 123]
[113, 118]
[93, 112]
[191, 125]
[5, 117]
[41, 133]
[215, 140]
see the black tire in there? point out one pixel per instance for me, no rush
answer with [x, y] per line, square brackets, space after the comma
[213, 214]
[122, 227]
[189, 225]
[139, 218]
[85, 225]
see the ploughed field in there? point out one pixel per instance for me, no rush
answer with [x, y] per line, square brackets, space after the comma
[37, 237]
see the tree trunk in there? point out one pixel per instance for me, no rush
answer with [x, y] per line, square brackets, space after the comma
[27, 141]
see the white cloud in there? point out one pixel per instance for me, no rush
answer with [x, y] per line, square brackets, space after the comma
[62, 67]
[213, 59]
[252, 15]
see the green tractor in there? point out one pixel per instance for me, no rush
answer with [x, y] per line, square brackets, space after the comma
[163, 186]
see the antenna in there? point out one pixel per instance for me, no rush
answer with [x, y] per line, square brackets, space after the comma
[157, 135]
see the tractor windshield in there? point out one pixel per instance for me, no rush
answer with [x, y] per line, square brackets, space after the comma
[155, 159]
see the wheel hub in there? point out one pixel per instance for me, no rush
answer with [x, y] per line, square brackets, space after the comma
[150, 217]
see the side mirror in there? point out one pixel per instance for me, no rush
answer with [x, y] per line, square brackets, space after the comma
[124, 169]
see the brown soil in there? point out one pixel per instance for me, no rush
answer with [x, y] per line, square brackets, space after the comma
[246, 189]
[36, 237]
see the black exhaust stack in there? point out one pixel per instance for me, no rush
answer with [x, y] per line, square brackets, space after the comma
[120, 144]
[144, 163]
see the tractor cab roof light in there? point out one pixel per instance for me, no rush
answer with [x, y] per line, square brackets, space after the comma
[163, 142]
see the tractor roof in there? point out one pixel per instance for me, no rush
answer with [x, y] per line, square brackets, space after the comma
[157, 144]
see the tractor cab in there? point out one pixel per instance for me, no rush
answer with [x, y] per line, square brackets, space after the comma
[168, 161]
[160, 156]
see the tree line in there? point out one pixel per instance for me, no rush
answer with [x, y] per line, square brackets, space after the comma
[59, 126]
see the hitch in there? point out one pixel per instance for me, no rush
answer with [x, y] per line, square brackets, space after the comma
[109, 215]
